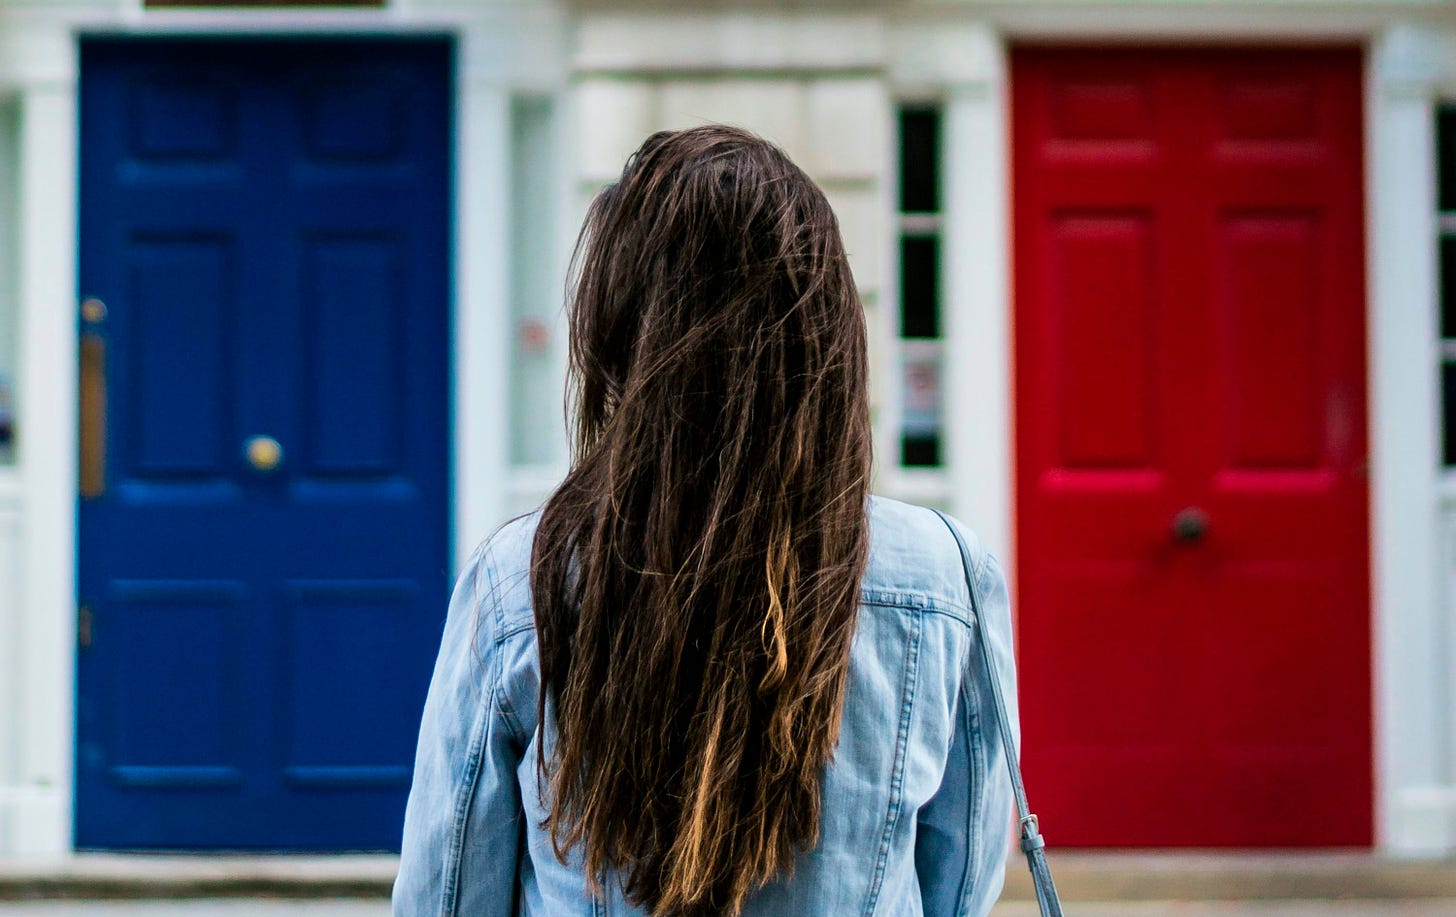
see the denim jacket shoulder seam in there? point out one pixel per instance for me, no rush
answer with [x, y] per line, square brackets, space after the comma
[975, 768]
[465, 793]
[503, 699]
[487, 563]
[983, 567]
[897, 775]
[464, 798]
[503, 632]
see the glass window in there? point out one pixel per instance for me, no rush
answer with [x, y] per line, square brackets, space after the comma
[919, 160]
[1446, 204]
[1448, 286]
[1446, 156]
[920, 286]
[920, 346]
[1448, 392]
[9, 320]
[536, 414]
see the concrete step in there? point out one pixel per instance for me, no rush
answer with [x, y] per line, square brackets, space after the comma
[98, 876]
[1236, 876]
[1080, 875]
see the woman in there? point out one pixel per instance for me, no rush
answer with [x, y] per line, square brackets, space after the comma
[713, 675]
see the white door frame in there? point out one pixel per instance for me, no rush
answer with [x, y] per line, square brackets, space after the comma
[1413, 633]
[499, 52]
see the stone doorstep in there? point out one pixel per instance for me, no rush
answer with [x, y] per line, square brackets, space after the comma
[96, 876]
[1208, 875]
[1081, 876]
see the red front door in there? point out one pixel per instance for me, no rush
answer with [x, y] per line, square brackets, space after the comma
[1191, 448]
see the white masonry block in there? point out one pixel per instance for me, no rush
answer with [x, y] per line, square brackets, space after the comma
[863, 223]
[938, 53]
[848, 123]
[770, 108]
[613, 118]
[729, 41]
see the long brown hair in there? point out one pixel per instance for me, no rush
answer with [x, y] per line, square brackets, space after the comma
[696, 576]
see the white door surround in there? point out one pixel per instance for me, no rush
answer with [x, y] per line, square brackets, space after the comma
[500, 51]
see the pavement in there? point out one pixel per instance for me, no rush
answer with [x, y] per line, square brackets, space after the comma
[205, 908]
[106, 876]
[1218, 875]
[1100, 884]
[352, 908]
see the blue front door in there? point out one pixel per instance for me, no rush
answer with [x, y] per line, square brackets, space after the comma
[263, 563]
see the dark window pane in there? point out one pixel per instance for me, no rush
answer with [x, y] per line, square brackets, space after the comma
[919, 160]
[7, 420]
[920, 451]
[1448, 287]
[1446, 155]
[1448, 414]
[920, 287]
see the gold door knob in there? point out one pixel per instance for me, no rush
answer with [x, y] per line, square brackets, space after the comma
[263, 453]
[93, 311]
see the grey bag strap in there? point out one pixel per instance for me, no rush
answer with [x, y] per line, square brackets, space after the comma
[1032, 843]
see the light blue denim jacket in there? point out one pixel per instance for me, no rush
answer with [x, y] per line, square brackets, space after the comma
[917, 804]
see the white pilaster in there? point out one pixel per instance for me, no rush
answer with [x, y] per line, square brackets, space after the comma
[482, 311]
[1414, 807]
[40, 797]
[977, 301]
[10, 704]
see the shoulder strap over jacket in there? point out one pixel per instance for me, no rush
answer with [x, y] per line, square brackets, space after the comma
[1032, 843]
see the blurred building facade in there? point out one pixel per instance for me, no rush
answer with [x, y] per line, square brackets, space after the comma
[1156, 301]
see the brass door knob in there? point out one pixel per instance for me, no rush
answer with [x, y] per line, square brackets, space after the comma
[263, 453]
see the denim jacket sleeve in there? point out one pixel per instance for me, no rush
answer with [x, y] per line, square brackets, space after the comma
[964, 831]
[464, 812]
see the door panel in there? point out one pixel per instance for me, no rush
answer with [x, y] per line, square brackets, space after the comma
[266, 567]
[1189, 343]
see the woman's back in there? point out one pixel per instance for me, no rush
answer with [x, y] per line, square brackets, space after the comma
[916, 806]
[712, 676]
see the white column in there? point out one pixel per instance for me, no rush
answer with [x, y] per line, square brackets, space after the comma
[10, 653]
[1415, 802]
[482, 306]
[977, 300]
[504, 49]
[45, 653]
